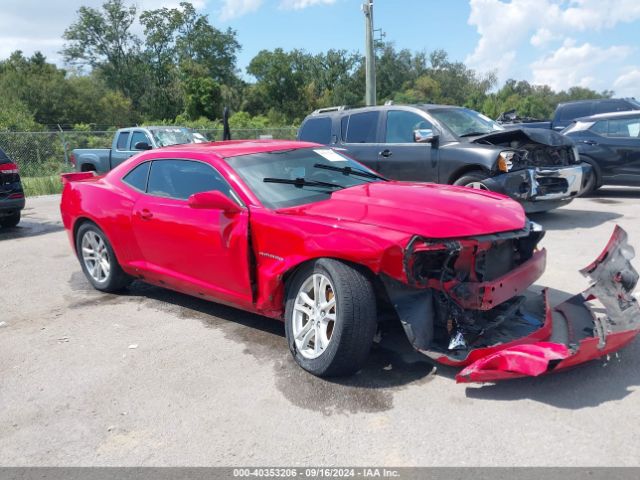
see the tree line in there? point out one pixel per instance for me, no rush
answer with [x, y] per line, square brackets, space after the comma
[182, 69]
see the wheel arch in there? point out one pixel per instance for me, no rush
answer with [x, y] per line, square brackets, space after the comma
[367, 271]
[461, 172]
[596, 168]
[83, 220]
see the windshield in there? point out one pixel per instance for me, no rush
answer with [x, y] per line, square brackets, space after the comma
[175, 136]
[300, 167]
[464, 122]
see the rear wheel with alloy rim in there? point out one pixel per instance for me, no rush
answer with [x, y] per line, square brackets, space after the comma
[98, 260]
[330, 318]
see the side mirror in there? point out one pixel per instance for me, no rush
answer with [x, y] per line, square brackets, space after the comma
[142, 146]
[213, 200]
[424, 135]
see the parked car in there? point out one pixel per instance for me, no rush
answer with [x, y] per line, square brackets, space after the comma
[129, 141]
[11, 194]
[454, 145]
[299, 232]
[567, 112]
[610, 142]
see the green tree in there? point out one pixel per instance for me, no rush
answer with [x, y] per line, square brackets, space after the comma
[102, 39]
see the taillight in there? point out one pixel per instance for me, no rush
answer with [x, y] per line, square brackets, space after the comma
[16, 195]
[72, 159]
[8, 168]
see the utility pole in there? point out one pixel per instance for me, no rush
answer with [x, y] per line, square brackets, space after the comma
[370, 96]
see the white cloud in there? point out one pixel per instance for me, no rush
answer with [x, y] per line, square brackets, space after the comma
[599, 14]
[507, 28]
[237, 8]
[574, 65]
[34, 25]
[628, 84]
[300, 4]
[543, 37]
[502, 28]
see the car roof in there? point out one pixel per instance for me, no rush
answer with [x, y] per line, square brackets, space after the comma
[344, 110]
[596, 100]
[609, 116]
[232, 148]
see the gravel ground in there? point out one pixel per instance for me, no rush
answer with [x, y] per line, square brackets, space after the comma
[157, 378]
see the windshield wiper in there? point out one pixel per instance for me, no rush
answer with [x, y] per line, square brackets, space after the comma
[301, 182]
[473, 134]
[350, 171]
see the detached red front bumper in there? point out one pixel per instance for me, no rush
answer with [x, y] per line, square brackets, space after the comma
[597, 322]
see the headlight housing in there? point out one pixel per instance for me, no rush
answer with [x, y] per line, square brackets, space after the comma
[505, 160]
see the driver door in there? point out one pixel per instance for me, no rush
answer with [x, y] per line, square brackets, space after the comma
[203, 252]
[400, 157]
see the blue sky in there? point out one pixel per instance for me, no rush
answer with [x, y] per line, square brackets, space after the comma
[592, 43]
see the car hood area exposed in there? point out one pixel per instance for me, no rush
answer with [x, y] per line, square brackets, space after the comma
[429, 210]
[549, 138]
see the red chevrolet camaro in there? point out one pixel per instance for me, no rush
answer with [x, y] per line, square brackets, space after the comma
[299, 232]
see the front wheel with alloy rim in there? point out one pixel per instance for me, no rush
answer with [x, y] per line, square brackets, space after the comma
[330, 318]
[472, 180]
[98, 261]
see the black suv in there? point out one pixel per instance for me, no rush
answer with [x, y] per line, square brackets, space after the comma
[11, 193]
[454, 145]
[567, 112]
[610, 142]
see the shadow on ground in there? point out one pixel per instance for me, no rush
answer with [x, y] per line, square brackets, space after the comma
[392, 363]
[30, 227]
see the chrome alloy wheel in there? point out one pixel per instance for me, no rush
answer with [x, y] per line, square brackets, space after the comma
[95, 256]
[478, 185]
[314, 316]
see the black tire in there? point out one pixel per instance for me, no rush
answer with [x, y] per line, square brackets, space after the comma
[116, 279]
[356, 319]
[593, 184]
[10, 221]
[469, 178]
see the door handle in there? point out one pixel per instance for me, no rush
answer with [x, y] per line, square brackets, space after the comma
[145, 214]
[589, 142]
[386, 153]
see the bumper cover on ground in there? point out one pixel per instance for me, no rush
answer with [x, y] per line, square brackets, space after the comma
[588, 331]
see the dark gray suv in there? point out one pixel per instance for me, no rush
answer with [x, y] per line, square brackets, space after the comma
[454, 145]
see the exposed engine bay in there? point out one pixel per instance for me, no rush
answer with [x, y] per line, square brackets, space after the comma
[467, 299]
[533, 148]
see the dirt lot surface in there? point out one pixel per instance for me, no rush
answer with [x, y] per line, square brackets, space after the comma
[153, 377]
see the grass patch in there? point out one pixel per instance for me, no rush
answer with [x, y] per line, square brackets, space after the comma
[41, 185]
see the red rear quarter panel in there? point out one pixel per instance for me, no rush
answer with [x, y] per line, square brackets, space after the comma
[108, 205]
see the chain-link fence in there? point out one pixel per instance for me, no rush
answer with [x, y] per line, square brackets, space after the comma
[41, 154]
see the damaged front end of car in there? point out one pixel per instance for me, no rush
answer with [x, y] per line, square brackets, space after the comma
[466, 303]
[539, 167]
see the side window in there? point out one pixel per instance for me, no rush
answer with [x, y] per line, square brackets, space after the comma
[138, 137]
[343, 128]
[624, 128]
[317, 130]
[601, 127]
[401, 124]
[137, 177]
[121, 144]
[182, 178]
[610, 106]
[575, 110]
[362, 127]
